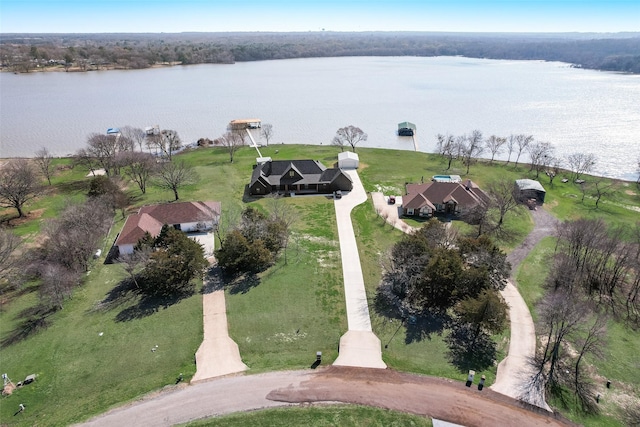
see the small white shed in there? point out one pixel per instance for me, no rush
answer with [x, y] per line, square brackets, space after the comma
[348, 160]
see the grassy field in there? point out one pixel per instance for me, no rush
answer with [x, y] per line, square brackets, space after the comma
[319, 416]
[279, 320]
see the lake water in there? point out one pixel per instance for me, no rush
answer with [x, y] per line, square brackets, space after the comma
[307, 100]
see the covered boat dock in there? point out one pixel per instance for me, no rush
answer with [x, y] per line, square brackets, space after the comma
[406, 129]
[241, 124]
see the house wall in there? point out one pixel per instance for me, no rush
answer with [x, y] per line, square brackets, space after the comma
[348, 164]
[125, 249]
[193, 226]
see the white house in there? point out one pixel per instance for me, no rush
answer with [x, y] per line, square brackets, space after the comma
[348, 160]
[186, 216]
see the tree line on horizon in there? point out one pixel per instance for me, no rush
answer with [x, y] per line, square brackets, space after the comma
[23, 53]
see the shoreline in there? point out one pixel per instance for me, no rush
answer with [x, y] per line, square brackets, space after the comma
[480, 159]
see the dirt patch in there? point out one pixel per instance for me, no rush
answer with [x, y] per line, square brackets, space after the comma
[630, 192]
[29, 216]
[427, 396]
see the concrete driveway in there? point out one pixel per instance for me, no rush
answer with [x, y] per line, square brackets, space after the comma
[207, 240]
[359, 346]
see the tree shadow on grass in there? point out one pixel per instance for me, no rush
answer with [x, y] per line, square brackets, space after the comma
[34, 319]
[74, 186]
[149, 304]
[470, 350]
[421, 327]
[244, 284]
[139, 305]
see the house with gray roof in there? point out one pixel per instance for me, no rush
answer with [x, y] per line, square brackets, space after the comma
[297, 177]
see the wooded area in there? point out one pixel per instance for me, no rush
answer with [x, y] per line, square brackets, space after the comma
[25, 52]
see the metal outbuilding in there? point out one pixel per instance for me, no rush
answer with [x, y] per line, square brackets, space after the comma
[348, 160]
[528, 189]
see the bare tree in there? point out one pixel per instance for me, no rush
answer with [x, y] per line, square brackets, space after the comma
[560, 314]
[448, 147]
[9, 260]
[85, 159]
[57, 284]
[104, 150]
[167, 141]
[285, 215]
[43, 159]
[522, 142]
[133, 262]
[267, 131]
[137, 136]
[592, 341]
[512, 142]
[232, 141]
[139, 167]
[351, 135]
[553, 168]
[19, 183]
[601, 190]
[173, 175]
[471, 148]
[494, 144]
[540, 154]
[71, 239]
[503, 198]
[580, 163]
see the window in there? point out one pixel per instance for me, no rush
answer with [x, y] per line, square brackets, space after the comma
[292, 174]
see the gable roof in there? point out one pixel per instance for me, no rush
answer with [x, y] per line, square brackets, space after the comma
[348, 155]
[136, 226]
[432, 193]
[151, 218]
[307, 172]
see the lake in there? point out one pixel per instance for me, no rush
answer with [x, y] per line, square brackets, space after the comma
[307, 100]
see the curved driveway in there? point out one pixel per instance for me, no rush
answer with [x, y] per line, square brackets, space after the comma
[515, 370]
[432, 397]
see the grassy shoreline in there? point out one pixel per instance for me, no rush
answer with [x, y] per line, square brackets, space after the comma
[293, 311]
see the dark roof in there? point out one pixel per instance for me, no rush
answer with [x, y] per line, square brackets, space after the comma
[306, 172]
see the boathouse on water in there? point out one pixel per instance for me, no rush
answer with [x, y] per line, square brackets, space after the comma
[242, 124]
[406, 129]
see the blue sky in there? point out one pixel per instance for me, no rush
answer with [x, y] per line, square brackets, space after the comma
[95, 16]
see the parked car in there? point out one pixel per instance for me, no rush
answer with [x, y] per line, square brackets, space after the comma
[337, 194]
[392, 200]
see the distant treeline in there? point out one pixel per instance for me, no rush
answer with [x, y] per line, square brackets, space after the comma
[24, 52]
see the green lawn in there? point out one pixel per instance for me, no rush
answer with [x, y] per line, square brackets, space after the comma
[279, 320]
[87, 361]
[318, 416]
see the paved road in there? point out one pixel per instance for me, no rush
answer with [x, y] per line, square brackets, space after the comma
[432, 397]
